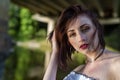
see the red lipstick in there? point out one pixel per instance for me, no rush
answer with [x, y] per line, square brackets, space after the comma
[84, 46]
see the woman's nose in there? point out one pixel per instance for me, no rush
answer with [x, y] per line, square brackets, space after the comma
[81, 37]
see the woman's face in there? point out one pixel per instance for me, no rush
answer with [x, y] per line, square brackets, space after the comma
[82, 34]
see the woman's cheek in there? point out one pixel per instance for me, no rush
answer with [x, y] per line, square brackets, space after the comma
[74, 44]
[71, 42]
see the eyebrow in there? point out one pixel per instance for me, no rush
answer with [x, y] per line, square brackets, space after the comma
[70, 31]
[73, 30]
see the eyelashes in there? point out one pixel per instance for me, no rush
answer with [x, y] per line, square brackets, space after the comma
[72, 34]
[83, 30]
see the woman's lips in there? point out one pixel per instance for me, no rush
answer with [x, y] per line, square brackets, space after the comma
[84, 46]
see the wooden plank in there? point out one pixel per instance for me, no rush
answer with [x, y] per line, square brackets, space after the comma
[53, 5]
[98, 6]
[31, 7]
[116, 8]
[62, 3]
[43, 6]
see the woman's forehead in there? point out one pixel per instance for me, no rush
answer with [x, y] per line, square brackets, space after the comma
[80, 20]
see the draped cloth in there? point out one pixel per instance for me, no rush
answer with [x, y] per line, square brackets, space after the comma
[77, 76]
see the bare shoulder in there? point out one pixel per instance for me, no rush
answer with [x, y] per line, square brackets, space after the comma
[112, 56]
[116, 58]
[115, 66]
[79, 68]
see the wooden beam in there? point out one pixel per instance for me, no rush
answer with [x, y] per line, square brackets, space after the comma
[53, 5]
[31, 7]
[80, 2]
[63, 3]
[45, 19]
[97, 5]
[110, 21]
[43, 6]
[116, 8]
[76, 2]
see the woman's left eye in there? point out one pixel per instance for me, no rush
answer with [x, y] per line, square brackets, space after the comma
[85, 29]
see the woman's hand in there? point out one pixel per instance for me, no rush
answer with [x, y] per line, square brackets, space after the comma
[52, 39]
[51, 71]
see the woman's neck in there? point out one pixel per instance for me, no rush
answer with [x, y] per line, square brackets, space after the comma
[93, 56]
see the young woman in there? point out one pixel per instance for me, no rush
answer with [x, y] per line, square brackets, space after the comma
[78, 29]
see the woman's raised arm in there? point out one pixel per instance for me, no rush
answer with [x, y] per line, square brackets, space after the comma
[51, 71]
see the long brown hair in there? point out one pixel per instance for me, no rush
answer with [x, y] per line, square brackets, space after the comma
[67, 16]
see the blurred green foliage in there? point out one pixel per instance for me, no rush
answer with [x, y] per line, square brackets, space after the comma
[23, 28]
[113, 38]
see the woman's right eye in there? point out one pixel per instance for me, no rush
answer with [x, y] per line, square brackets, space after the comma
[72, 34]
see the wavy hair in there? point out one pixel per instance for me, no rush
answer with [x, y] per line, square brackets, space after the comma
[65, 49]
